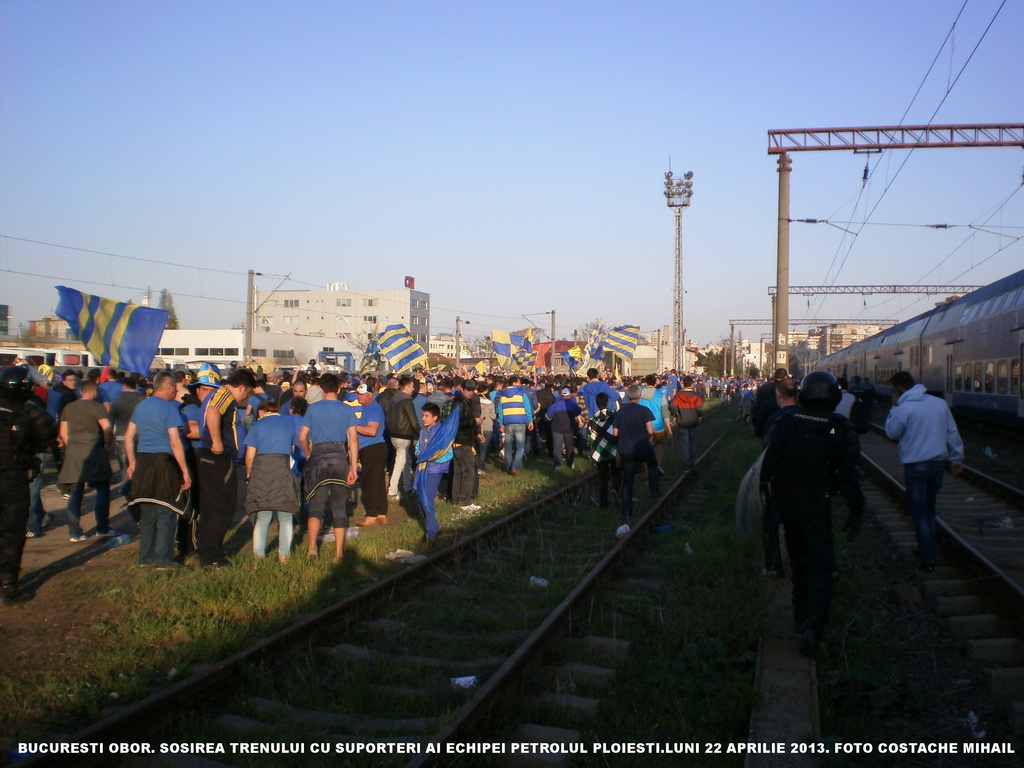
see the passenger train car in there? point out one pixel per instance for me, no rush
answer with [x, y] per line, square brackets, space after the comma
[969, 351]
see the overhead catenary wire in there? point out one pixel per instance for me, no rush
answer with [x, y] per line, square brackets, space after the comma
[951, 83]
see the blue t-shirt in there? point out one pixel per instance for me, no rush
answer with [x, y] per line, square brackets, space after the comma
[272, 434]
[298, 454]
[152, 418]
[109, 390]
[192, 413]
[328, 421]
[367, 414]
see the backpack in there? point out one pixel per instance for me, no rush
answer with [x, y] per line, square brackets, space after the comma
[860, 414]
[15, 439]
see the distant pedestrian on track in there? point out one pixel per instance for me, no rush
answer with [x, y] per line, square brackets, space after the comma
[928, 438]
[634, 429]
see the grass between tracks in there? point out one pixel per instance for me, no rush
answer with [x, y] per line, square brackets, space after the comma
[690, 675]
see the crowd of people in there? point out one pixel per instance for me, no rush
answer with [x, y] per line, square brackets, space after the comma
[179, 445]
[184, 441]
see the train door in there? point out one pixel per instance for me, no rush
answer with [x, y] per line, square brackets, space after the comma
[949, 379]
[1015, 375]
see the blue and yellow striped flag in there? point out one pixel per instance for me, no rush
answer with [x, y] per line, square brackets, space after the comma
[401, 349]
[117, 334]
[623, 340]
[524, 357]
[502, 344]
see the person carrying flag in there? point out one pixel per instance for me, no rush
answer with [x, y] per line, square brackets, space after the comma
[434, 454]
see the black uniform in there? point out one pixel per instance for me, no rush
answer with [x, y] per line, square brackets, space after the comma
[25, 430]
[812, 454]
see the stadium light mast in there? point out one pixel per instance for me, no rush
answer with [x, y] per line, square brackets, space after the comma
[677, 194]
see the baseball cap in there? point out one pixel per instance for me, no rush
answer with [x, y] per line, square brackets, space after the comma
[566, 391]
[362, 389]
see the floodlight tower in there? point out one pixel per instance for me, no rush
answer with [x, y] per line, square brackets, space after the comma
[677, 194]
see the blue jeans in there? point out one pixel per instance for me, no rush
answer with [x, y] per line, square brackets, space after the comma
[481, 451]
[923, 479]
[515, 446]
[36, 512]
[426, 492]
[157, 526]
[261, 526]
[102, 508]
[688, 445]
[630, 465]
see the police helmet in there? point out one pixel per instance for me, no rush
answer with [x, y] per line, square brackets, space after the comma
[16, 383]
[819, 386]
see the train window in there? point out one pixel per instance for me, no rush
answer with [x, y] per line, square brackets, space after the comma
[976, 386]
[1015, 377]
[1020, 298]
[990, 378]
[931, 354]
[1005, 302]
[958, 378]
[1002, 373]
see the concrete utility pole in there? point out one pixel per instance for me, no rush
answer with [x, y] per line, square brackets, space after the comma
[247, 334]
[677, 195]
[458, 342]
[780, 329]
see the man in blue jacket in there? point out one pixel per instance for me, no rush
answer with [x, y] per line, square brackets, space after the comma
[515, 415]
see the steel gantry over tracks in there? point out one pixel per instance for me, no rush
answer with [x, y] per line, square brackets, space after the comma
[911, 137]
[896, 137]
[870, 290]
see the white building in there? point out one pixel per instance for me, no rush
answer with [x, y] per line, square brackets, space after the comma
[338, 312]
[444, 344]
[225, 347]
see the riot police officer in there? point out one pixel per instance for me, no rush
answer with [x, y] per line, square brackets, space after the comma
[25, 430]
[812, 454]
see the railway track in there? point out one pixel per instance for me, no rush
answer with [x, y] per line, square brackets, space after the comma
[483, 640]
[978, 586]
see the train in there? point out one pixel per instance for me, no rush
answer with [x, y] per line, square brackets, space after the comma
[969, 351]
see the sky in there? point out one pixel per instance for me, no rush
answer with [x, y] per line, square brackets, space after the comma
[509, 156]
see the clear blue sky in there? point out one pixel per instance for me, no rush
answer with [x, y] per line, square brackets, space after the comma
[510, 156]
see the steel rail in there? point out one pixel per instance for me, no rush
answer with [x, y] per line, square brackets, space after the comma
[897, 489]
[148, 713]
[509, 674]
[980, 479]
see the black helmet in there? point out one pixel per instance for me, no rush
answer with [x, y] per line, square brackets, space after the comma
[16, 383]
[819, 386]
